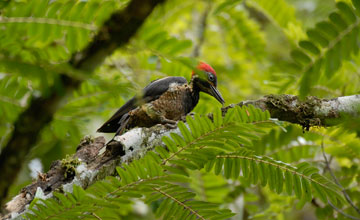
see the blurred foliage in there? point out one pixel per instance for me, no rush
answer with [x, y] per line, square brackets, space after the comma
[257, 47]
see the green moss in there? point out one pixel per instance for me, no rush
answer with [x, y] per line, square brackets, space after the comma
[88, 139]
[303, 112]
[69, 165]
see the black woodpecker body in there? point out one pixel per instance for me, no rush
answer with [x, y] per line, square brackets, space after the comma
[164, 101]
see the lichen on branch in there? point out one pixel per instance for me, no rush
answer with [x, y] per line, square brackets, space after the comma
[94, 160]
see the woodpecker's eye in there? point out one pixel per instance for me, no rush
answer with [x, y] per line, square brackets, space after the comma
[211, 77]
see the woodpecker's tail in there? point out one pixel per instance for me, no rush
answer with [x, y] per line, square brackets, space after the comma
[112, 125]
[123, 124]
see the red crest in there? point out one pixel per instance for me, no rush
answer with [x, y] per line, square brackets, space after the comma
[205, 67]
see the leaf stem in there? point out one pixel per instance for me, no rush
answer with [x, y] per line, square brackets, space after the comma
[327, 164]
[180, 203]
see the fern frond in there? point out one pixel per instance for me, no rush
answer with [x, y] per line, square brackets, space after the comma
[51, 26]
[221, 134]
[281, 14]
[222, 144]
[209, 187]
[288, 144]
[247, 35]
[330, 42]
[159, 42]
[344, 145]
[302, 180]
[145, 179]
[13, 98]
[150, 174]
[188, 208]
[170, 212]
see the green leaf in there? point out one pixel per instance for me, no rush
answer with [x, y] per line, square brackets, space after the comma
[300, 57]
[332, 62]
[218, 165]
[218, 119]
[288, 182]
[236, 168]
[315, 36]
[272, 177]
[245, 167]
[228, 166]
[319, 192]
[310, 78]
[178, 140]
[210, 165]
[297, 186]
[337, 19]
[279, 180]
[193, 126]
[163, 153]
[78, 192]
[185, 163]
[123, 175]
[328, 29]
[309, 46]
[170, 144]
[254, 172]
[263, 174]
[229, 115]
[346, 12]
[225, 6]
[306, 189]
[356, 3]
[201, 128]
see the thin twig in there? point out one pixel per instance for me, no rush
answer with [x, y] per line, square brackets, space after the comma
[327, 164]
[341, 212]
[96, 216]
[201, 30]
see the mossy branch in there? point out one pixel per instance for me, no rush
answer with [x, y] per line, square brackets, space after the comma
[95, 161]
[309, 112]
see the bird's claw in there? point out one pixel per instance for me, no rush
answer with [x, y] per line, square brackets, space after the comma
[170, 126]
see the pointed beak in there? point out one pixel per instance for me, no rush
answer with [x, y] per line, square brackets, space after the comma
[214, 92]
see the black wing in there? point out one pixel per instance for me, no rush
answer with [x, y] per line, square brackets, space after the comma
[150, 93]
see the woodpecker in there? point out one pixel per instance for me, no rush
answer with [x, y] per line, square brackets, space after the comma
[164, 101]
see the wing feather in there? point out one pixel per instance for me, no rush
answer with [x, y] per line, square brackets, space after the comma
[150, 93]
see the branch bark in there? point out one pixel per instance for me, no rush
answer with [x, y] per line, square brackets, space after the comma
[115, 32]
[309, 112]
[93, 160]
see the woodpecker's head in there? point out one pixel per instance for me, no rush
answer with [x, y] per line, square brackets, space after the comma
[205, 79]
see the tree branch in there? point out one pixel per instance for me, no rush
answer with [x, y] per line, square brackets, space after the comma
[115, 32]
[97, 161]
[310, 112]
[92, 161]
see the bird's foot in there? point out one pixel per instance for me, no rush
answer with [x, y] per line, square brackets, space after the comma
[171, 124]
